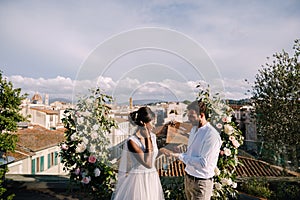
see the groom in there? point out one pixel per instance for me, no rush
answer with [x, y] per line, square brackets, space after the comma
[202, 153]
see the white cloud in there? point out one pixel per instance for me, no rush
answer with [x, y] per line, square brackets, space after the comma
[51, 40]
[168, 90]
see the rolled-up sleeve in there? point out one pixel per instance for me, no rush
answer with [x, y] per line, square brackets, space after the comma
[195, 161]
[210, 148]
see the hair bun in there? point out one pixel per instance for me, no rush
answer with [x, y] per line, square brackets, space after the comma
[133, 117]
[141, 116]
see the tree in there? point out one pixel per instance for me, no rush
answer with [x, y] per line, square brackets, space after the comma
[276, 96]
[10, 101]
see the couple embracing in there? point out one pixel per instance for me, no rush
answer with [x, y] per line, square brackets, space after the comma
[138, 178]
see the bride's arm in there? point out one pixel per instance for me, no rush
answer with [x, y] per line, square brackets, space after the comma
[143, 157]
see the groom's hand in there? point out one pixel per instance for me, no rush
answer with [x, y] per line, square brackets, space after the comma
[175, 155]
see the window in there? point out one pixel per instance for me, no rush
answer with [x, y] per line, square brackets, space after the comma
[42, 163]
[55, 158]
[33, 166]
[37, 165]
[49, 160]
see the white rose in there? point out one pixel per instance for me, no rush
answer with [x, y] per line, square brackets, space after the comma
[94, 135]
[226, 181]
[218, 186]
[81, 147]
[80, 120]
[235, 143]
[234, 184]
[85, 140]
[89, 101]
[97, 172]
[96, 127]
[227, 151]
[228, 129]
[217, 171]
[73, 137]
[228, 119]
[86, 114]
[92, 148]
[229, 181]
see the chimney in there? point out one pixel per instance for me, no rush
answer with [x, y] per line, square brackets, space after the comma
[130, 103]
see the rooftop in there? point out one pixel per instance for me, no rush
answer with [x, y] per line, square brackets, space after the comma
[35, 139]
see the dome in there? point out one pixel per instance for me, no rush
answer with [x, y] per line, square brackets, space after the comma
[37, 98]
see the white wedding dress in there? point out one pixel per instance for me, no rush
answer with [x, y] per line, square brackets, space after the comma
[136, 182]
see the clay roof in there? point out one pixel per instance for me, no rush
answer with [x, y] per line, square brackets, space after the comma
[257, 168]
[37, 97]
[20, 154]
[171, 138]
[38, 138]
[47, 111]
[169, 166]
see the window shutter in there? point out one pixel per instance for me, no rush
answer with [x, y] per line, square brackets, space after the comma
[33, 166]
[55, 157]
[42, 163]
[49, 161]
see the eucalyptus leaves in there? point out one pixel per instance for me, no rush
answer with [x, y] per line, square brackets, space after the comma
[220, 117]
[85, 152]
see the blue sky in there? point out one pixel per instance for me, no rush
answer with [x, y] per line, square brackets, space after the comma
[46, 46]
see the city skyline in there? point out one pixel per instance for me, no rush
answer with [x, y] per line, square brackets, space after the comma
[46, 46]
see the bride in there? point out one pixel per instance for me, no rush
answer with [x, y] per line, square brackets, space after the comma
[137, 176]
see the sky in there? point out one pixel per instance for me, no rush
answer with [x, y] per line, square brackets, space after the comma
[142, 49]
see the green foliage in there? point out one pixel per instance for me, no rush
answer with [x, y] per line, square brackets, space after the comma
[255, 187]
[173, 188]
[286, 190]
[276, 95]
[85, 152]
[220, 117]
[7, 142]
[10, 101]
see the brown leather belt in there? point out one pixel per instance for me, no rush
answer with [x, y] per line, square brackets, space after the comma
[198, 179]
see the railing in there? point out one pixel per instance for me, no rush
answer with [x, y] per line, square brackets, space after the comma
[286, 156]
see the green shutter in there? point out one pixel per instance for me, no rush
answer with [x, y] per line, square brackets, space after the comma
[33, 166]
[49, 161]
[42, 163]
[55, 157]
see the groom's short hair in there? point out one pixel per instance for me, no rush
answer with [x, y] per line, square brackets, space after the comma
[200, 107]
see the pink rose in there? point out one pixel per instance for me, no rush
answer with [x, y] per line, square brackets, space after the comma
[224, 119]
[231, 138]
[64, 146]
[235, 143]
[86, 180]
[219, 125]
[92, 159]
[77, 171]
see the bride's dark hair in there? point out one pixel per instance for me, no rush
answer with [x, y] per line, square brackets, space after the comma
[142, 115]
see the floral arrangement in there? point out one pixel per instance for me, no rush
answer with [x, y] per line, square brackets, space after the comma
[220, 117]
[85, 151]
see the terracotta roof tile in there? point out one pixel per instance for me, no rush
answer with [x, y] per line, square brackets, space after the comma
[168, 166]
[38, 138]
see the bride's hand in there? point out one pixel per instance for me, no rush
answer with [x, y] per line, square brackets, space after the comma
[144, 131]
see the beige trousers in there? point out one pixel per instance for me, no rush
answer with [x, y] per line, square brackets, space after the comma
[198, 189]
